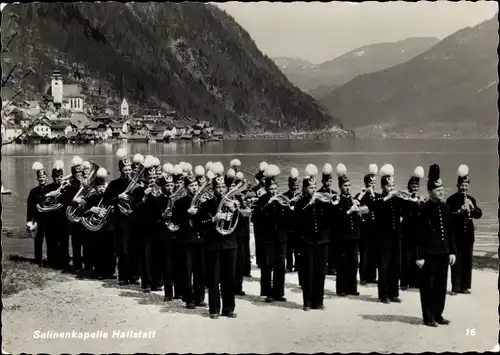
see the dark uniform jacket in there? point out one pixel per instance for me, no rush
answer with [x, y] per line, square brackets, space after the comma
[435, 236]
[70, 191]
[93, 199]
[313, 223]
[35, 196]
[258, 216]
[348, 225]
[277, 221]
[213, 239]
[115, 188]
[150, 210]
[463, 224]
[388, 213]
[411, 220]
[180, 217]
[327, 190]
[367, 200]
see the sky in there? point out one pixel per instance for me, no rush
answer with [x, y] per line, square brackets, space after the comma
[318, 32]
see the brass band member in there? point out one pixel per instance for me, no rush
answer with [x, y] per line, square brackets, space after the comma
[255, 218]
[103, 242]
[86, 167]
[464, 209]
[79, 245]
[435, 250]
[220, 251]
[388, 212]
[191, 247]
[150, 204]
[122, 227]
[292, 247]
[369, 232]
[35, 219]
[57, 225]
[313, 222]
[411, 220]
[327, 180]
[168, 277]
[276, 218]
[177, 263]
[348, 229]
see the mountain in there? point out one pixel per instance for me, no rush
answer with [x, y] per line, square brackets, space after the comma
[292, 63]
[451, 87]
[189, 57]
[366, 59]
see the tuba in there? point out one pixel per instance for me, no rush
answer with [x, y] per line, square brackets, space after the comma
[225, 227]
[135, 182]
[167, 214]
[95, 221]
[52, 203]
[74, 211]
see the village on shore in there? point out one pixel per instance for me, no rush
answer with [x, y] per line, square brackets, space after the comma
[62, 117]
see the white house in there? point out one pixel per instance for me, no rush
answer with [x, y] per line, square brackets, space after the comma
[124, 112]
[67, 96]
[10, 131]
[60, 128]
[43, 128]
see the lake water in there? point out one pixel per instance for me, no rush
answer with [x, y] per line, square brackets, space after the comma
[480, 155]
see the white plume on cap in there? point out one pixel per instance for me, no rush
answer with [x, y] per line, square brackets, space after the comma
[210, 174]
[149, 161]
[138, 158]
[294, 173]
[239, 175]
[263, 166]
[102, 173]
[218, 168]
[327, 169]
[419, 172]
[341, 169]
[231, 173]
[208, 165]
[311, 170]
[177, 169]
[463, 170]
[121, 153]
[186, 167]
[373, 169]
[86, 164]
[272, 171]
[199, 170]
[235, 163]
[156, 161]
[76, 161]
[387, 170]
[59, 165]
[37, 166]
[168, 168]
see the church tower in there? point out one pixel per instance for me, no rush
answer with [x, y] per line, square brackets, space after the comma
[57, 87]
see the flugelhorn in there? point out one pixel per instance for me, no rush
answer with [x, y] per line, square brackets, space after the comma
[167, 214]
[227, 226]
[52, 203]
[124, 206]
[74, 211]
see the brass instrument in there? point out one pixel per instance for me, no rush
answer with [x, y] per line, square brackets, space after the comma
[204, 193]
[95, 221]
[226, 227]
[52, 203]
[285, 201]
[74, 211]
[465, 203]
[167, 214]
[407, 196]
[135, 182]
[155, 190]
[321, 196]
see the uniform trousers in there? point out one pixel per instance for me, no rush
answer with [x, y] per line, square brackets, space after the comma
[41, 234]
[368, 253]
[313, 264]
[138, 230]
[433, 282]
[81, 247]
[389, 267]
[409, 268]
[58, 232]
[461, 271]
[177, 266]
[347, 266]
[240, 269]
[259, 244]
[245, 241]
[152, 260]
[333, 255]
[104, 253]
[272, 269]
[193, 273]
[292, 253]
[123, 248]
[221, 267]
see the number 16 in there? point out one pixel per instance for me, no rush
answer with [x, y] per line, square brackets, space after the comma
[470, 332]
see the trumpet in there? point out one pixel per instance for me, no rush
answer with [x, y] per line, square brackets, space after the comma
[52, 203]
[135, 182]
[223, 226]
[407, 196]
[155, 189]
[167, 214]
[323, 197]
[285, 201]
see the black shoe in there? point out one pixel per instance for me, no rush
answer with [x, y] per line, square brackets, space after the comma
[341, 294]
[214, 315]
[318, 307]
[395, 300]
[146, 289]
[200, 304]
[190, 306]
[269, 300]
[385, 300]
[356, 293]
[240, 293]
[100, 277]
[453, 293]
[443, 321]
[280, 299]
[229, 314]
[404, 288]
[167, 299]
[157, 288]
[465, 292]
[362, 282]
[306, 308]
[133, 282]
[431, 324]
[177, 297]
[122, 282]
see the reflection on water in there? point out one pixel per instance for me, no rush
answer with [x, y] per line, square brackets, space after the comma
[404, 155]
